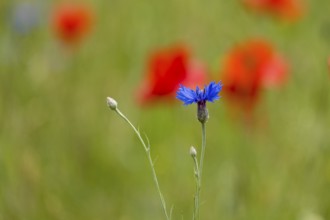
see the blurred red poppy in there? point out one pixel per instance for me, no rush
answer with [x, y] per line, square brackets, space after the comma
[289, 9]
[168, 68]
[72, 22]
[248, 69]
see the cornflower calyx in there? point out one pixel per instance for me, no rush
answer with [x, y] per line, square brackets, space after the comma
[202, 112]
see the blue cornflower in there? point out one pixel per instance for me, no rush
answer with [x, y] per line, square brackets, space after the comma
[25, 17]
[200, 96]
[209, 93]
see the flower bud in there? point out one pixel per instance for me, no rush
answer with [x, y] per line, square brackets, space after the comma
[112, 103]
[193, 151]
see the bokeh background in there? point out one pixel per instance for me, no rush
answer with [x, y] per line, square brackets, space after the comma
[65, 155]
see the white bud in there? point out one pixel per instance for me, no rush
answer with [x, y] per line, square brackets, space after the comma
[193, 151]
[112, 103]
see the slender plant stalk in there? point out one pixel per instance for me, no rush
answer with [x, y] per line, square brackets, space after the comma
[147, 150]
[199, 173]
[196, 198]
[203, 151]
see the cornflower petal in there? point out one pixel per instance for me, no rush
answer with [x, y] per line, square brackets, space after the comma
[186, 95]
[212, 91]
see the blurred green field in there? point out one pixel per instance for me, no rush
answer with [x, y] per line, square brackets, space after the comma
[64, 155]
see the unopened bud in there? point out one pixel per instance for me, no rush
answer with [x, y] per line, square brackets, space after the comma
[112, 103]
[193, 151]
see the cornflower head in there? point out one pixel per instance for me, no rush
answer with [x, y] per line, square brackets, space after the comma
[200, 97]
[25, 17]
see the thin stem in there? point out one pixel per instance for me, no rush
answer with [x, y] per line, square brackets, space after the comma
[203, 150]
[198, 175]
[196, 198]
[147, 150]
[198, 190]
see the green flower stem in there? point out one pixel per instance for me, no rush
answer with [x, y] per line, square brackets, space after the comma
[147, 150]
[200, 169]
[196, 198]
[198, 174]
[203, 150]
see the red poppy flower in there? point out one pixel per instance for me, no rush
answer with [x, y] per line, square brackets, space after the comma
[72, 22]
[290, 9]
[168, 69]
[248, 69]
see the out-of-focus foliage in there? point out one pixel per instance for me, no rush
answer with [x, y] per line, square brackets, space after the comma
[65, 155]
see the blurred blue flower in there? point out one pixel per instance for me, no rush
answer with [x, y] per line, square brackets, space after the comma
[199, 96]
[24, 17]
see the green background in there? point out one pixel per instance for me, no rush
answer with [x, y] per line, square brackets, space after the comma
[65, 155]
